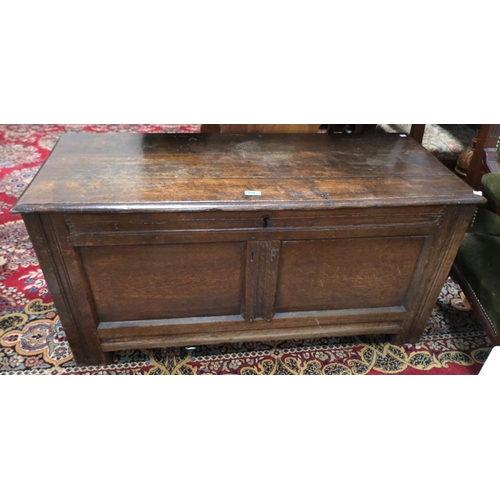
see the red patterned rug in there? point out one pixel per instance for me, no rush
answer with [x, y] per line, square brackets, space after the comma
[32, 340]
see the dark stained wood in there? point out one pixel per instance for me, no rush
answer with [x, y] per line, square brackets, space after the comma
[150, 240]
[262, 129]
[88, 225]
[417, 132]
[196, 172]
[68, 286]
[210, 129]
[346, 273]
[164, 281]
[277, 335]
[250, 283]
[432, 272]
[261, 274]
[199, 236]
[203, 325]
[268, 277]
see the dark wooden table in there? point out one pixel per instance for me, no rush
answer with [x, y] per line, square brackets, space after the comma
[175, 240]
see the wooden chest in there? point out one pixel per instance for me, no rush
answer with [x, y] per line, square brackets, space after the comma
[175, 240]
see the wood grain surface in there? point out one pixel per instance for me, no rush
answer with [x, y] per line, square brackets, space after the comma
[192, 172]
[150, 240]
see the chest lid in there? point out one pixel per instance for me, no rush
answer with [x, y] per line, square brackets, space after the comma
[191, 172]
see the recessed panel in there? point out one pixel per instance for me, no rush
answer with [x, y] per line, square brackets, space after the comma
[346, 274]
[135, 282]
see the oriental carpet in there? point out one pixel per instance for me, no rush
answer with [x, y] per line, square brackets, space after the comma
[32, 340]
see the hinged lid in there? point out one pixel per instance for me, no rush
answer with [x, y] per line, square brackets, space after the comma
[191, 172]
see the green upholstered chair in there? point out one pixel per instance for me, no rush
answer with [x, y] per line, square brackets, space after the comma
[477, 265]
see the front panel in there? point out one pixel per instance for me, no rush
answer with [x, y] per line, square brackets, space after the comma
[166, 279]
[144, 282]
[352, 273]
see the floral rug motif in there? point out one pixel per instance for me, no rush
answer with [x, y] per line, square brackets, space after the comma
[32, 340]
[446, 142]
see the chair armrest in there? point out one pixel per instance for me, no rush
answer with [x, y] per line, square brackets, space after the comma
[491, 186]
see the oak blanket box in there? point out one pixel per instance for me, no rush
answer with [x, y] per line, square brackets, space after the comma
[155, 240]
